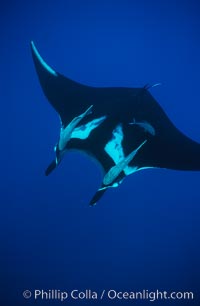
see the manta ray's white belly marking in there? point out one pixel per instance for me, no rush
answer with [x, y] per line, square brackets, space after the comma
[115, 150]
[114, 147]
[65, 133]
[83, 131]
[114, 172]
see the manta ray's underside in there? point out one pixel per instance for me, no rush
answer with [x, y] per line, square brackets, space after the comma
[124, 129]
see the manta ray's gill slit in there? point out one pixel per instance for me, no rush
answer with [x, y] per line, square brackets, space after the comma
[83, 131]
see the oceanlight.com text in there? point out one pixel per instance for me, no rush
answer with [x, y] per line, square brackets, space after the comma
[111, 294]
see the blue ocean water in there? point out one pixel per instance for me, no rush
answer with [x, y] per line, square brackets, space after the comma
[144, 234]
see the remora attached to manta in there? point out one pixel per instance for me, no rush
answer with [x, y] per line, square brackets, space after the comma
[99, 121]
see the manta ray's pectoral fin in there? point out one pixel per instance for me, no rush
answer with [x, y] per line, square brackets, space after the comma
[148, 86]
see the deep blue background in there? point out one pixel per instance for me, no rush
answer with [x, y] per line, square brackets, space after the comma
[146, 233]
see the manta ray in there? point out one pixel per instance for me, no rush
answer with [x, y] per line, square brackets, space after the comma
[124, 129]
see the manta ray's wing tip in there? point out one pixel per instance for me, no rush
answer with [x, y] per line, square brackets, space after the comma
[33, 47]
[39, 61]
